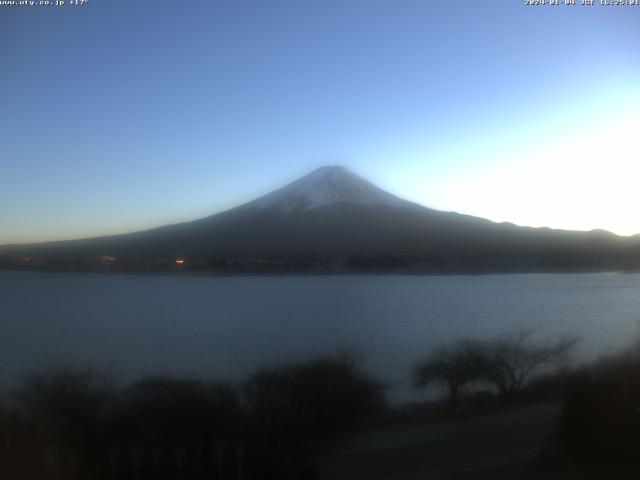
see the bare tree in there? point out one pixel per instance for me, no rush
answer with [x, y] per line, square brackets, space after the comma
[512, 359]
[453, 365]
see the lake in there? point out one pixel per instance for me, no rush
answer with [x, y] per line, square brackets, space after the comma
[225, 327]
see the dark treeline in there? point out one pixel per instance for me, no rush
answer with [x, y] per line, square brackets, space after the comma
[78, 424]
[600, 421]
[82, 424]
[252, 264]
[230, 264]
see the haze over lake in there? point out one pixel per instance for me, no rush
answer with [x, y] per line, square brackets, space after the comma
[225, 327]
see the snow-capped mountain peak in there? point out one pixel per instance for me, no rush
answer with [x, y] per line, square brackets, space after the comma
[325, 186]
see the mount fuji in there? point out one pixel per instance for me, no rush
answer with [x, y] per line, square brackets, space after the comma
[323, 187]
[333, 217]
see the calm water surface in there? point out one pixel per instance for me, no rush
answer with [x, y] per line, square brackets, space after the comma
[224, 328]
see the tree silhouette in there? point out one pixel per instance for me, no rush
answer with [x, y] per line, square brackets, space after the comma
[453, 365]
[512, 359]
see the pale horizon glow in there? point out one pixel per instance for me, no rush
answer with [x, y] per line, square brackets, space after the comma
[583, 179]
[570, 166]
[588, 181]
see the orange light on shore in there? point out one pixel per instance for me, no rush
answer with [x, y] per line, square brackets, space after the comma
[179, 261]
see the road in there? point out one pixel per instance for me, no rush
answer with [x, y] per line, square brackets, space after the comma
[488, 446]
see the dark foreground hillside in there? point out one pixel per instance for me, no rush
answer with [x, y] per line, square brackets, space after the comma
[75, 424]
[321, 419]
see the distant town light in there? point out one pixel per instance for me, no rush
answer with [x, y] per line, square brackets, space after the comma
[179, 261]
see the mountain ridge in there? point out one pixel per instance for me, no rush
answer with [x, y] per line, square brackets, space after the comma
[334, 217]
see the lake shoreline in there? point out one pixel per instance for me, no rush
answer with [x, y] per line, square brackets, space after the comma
[214, 274]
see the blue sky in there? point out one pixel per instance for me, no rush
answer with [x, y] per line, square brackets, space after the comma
[122, 115]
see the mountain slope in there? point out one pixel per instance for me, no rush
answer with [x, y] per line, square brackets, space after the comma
[333, 212]
[326, 186]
